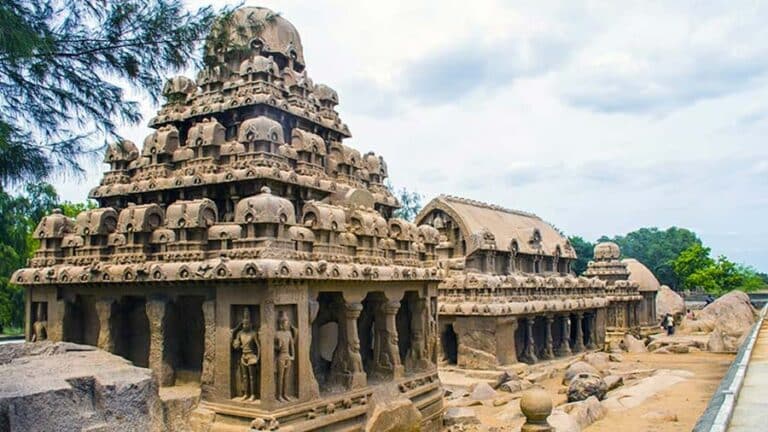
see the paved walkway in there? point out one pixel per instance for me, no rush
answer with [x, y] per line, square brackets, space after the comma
[751, 411]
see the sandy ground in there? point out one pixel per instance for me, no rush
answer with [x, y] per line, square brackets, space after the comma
[687, 399]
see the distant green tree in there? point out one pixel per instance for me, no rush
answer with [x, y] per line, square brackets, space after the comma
[410, 204]
[59, 65]
[71, 209]
[723, 276]
[584, 252]
[19, 215]
[690, 261]
[656, 249]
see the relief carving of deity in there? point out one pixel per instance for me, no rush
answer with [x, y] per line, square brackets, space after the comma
[285, 347]
[246, 340]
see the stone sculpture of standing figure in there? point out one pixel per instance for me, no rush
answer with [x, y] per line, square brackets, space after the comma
[246, 340]
[285, 348]
[40, 326]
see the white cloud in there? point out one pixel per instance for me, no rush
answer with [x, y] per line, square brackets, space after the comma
[601, 117]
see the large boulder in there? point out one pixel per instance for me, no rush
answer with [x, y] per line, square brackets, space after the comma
[460, 416]
[481, 391]
[722, 342]
[75, 387]
[669, 302]
[561, 421]
[399, 415]
[599, 360]
[473, 358]
[585, 385]
[585, 412]
[733, 309]
[577, 368]
[634, 345]
[613, 381]
[514, 386]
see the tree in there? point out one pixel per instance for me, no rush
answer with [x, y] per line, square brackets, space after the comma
[723, 275]
[584, 253]
[410, 204]
[656, 249]
[19, 215]
[60, 62]
[690, 261]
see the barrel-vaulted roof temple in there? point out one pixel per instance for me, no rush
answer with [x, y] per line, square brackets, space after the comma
[245, 249]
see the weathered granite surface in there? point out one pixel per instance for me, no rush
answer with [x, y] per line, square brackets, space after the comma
[62, 386]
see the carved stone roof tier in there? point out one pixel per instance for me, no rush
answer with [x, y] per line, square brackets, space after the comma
[606, 251]
[640, 274]
[486, 226]
[606, 264]
[246, 163]
[483, 294]
[219, 269]
[55, 225]
[252, 27]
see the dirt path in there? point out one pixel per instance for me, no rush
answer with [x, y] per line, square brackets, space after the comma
[687, 399]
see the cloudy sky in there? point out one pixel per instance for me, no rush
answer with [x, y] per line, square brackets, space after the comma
[601, 117]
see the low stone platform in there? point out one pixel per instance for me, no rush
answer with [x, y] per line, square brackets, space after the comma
[68, 387]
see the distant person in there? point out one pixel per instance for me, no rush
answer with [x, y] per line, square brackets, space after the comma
[668, 323]
[689, 315]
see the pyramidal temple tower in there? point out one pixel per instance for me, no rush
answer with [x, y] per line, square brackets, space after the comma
[246, 249]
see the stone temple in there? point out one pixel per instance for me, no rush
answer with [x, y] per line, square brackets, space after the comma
[632, 289]
[246, 249]
[509, 294]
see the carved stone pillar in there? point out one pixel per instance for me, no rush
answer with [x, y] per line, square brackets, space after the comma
[55, 320]
[578, 344]
[529, 353]
[267, 362]
[506, 350]
[590, 321]
[105, 310]
[160, 349]
[417, 358]
[312, 390]
[391, 344]
[564, 349]
[349, 364]
[209, 347]
[548, 353]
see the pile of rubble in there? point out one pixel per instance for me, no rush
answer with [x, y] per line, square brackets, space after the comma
[585, 389]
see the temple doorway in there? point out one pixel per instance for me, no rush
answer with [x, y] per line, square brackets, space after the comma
[81, 322]
[132, 324]
[189, 334]
[450, 342]
[325, 338]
